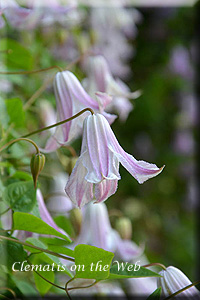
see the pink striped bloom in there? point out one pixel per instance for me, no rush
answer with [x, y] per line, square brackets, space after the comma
[100, 79]
[71, 98]
[96, 173]
[173, 280]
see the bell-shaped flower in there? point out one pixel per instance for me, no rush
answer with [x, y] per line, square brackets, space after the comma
[58, 202]
[173, 280]
[100, 79]
[96, 173]
[96, 230]
[71, 98]
[44, 213]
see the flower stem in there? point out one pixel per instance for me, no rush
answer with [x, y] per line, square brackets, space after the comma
[155, 264]
[183, 289]
[32, 72]
[37, 248]
[83, 287]
[21, 139]
[59, 123]
[66, 289]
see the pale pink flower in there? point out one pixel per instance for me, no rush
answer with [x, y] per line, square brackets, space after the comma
[45, 215]
[71, 98]
[96, 173]
[100, 79]
[96, 230]
[173, 280]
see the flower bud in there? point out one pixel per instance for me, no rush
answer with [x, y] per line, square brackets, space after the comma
[124, 227]
[173, 280]
[37, 164]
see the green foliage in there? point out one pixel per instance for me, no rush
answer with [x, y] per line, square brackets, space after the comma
[119, 273]
[61, 250]
[27, 222]
[20, 196]
[46, 257]
[15, 112]
[4, 119]
[42, 285]
[17, 56]
[156, 294]
[25, 287]
[11, 252]
[86, 255]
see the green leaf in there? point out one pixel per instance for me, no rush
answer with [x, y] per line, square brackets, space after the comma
[92, 262]
[17, 56]
[27, 222]
[25, 287]
[156, 294]
[53, 241]
[126, 270]
[42, 285]
[61, 250]
[15, 112]
[4, 118]
[46, 257]
[22, 175]
[65, 224]
[20, 196]
[11, 252]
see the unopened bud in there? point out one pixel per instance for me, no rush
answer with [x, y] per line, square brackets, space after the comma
[37, 164]
[124, 227]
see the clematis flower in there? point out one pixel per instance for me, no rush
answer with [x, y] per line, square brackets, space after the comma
[101, 79]
[44, 213]
[173, 280]
[117, 22]
[58, 202]
[96, 230]
[70, 99]
[96, 173]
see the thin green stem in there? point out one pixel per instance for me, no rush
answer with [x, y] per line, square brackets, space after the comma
[7, 289]
[37, 248]
[37, 93]
[20, 139]
[66, 289]
[156, 265]
[183, 289]
[83, 287]
[59, 123]
[59, 287]
[5, 211]
[32, 72]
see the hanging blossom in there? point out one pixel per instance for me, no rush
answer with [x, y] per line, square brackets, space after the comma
[71, 98]
[173, 280]
[112, 26]
[36, 12]
[58, 203]
[100, 79]
[96, 230]
[96, 173]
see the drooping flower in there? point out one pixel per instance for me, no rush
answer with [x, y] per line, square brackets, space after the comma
[58, 202]
[119, 23]
[173, 280]
[71, 98]
[44, 213]
[96, 173]
[96, 230]
[100, 79]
